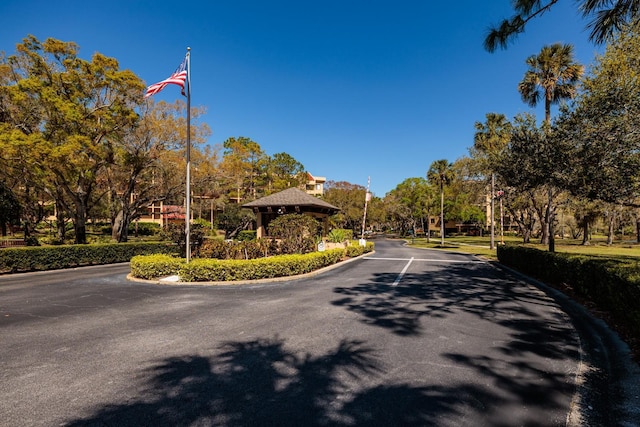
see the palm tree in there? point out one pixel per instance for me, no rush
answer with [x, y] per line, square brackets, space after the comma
[492, 136]
[553, 76]
[441, 173]
[608, 18]
[489, 140]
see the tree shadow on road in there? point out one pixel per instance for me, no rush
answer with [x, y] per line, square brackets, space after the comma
[475, 289]
[531, 368]
[261, 382]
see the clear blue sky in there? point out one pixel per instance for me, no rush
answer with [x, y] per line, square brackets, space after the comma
[349, 88]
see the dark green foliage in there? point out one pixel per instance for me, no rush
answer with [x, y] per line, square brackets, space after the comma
[339, 235]
[247, 235]
[31, 241]
[176, 234]
[613, 284]
[215, 270]
[9, 208]
[606, 18]
[277, 266]
[143, 229]
[250, 249]
[234, 219]
[49, 258]
[297, 233]
[158, 265]
[353, 251]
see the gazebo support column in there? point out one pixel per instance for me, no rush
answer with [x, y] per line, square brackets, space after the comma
[260, 231]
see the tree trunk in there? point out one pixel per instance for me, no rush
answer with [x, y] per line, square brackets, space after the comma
[544, 228]
[3, 228]
[124, 232]
[116, 226]
[610, 232]
[585, 232]
[61, 229]
[550, 219]
[80, 224]
[638, 229]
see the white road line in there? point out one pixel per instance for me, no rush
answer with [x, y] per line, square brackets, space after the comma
[454, 261]
[404, 270]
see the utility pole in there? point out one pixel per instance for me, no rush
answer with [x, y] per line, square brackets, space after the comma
[493, 199]
[367, 197]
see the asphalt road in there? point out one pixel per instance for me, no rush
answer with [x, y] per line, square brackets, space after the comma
[400, 337]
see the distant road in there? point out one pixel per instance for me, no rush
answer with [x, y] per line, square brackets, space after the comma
[400, 337]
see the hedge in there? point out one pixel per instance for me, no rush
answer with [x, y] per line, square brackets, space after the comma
[355, 249]
[216, 270]
[38, 258]
[157, 265]
[613, 284]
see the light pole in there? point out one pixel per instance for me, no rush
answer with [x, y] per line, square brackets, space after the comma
[492, 245]
[499, 195]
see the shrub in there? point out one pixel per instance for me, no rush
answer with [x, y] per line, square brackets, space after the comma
[144, 228]
[217, 270]
[158, 265]
[355, 249]
[53, 257]
[277, 266]
[225, 249]
[246, 235]
[612, 284]
[31, 241]
[297, 233]
[175, 232]
[337, 235]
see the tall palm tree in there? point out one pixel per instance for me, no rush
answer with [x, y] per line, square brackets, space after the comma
[607, 18]
[492, 136]
[552, 75]
[490, 139]
[441, 173]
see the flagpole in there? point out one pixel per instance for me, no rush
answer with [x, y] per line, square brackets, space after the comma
[366, 202]
[187, 228]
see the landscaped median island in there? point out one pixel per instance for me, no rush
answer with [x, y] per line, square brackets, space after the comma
[156, 267]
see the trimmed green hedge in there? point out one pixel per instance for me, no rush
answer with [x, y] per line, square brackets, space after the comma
[204, 270]
[355, 249]
[216, 270]
[613, 284]
[158, 265]
[37, 258]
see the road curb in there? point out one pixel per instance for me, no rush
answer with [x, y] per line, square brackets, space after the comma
[608, 380]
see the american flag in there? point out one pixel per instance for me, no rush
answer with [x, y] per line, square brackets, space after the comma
[179, 77]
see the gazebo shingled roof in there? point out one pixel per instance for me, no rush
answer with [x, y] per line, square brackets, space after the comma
[293, 197]
[289, 201]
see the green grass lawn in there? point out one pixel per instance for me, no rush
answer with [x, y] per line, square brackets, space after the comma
[480, 246]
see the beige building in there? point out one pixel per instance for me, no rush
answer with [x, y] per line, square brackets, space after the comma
[315, 185]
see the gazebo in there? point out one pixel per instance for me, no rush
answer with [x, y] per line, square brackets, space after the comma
[291, 200]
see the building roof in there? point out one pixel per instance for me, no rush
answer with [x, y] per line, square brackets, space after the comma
[291, 197]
